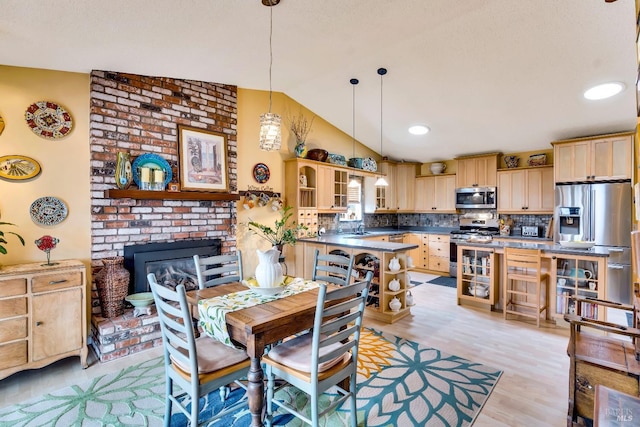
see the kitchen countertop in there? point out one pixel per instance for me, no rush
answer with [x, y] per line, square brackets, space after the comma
[349, 240]
[596, 251]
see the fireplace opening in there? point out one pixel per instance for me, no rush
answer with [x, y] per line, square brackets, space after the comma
[171, 262]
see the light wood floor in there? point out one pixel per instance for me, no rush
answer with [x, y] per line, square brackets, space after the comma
[532, 391]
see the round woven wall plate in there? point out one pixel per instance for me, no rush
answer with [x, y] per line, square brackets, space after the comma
[48, 120]
[48, 210]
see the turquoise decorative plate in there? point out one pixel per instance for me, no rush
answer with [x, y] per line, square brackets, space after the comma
[153, 161]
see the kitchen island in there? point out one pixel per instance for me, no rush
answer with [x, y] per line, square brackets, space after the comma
[369, 255]
[581, 272]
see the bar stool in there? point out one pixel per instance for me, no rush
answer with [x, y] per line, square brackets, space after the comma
[524, 294]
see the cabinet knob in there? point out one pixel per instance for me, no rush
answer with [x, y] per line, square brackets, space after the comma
[39, 323]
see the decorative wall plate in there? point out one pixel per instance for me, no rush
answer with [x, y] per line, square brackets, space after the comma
[153, 161]
[261, 173]
[48, 210]
[48, 120]
[1, 125]
[17, 168]
[369, 164]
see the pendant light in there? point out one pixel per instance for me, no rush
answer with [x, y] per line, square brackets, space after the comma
[354, 182]
[381, 182]
[270, 131]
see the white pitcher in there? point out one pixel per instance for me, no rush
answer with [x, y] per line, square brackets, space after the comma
[395, 304]
[268, 270]
[394, 264]
[394, 285]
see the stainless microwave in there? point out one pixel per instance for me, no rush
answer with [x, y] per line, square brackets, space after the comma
[476, 198]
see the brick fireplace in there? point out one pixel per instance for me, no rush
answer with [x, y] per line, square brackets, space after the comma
[141, 114]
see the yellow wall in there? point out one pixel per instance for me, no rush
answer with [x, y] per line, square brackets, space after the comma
[64, 162]
[252, 103]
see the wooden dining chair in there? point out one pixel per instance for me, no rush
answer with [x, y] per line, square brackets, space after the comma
[324, 357]
[218, 269]
[526, 286]
[194, 367]
[332, 268]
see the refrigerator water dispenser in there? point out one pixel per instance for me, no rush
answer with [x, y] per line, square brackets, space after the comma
[570, 219]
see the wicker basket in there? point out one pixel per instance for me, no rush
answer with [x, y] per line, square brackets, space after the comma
[113, 285]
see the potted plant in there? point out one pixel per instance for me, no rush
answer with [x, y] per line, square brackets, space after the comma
[282, 233]
[3, 241]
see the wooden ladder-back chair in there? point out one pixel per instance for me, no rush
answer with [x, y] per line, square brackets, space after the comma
[326, 356]
[331, 268]
[193, 367]
[600, 353]
[524, 293]
[218, 269]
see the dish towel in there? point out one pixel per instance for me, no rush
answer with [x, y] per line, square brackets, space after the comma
[213, 311]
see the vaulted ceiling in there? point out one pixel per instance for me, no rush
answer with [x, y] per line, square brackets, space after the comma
[484, 75]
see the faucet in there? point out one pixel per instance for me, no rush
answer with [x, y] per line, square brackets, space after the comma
[360, 229]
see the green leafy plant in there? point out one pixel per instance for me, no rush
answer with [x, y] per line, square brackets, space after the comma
[281, 233]
[3, 241]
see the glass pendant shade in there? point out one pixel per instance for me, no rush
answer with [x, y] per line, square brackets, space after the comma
[381, 182]
[353, 183]
[270, 132]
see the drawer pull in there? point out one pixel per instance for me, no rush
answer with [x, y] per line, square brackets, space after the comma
[38, 323]
[57, 282]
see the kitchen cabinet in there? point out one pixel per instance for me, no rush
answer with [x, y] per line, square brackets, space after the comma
[332, 194]
[386, 200]
[578, 275]
[477, 275]
[439, 253]
[415, 254]
[385, 295]
[477, 171]
[435, 193]
[42, 315]
[405, 186]
[526, 190]
[434, 253]
[304, 257]
[593, 159]
[301, 191]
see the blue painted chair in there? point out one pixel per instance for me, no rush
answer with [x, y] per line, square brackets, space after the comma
[324, 357]
[218, 269]
[215, 364]
[331, 268]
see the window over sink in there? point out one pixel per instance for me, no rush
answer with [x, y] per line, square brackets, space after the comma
[354, 202]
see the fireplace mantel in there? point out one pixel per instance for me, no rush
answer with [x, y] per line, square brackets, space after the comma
[168, 195]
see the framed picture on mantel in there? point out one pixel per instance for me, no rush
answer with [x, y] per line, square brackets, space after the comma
[203, 160]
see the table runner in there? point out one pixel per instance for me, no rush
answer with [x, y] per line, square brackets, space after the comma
[212, 311]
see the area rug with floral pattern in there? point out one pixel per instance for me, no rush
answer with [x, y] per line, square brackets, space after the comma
[400, 382]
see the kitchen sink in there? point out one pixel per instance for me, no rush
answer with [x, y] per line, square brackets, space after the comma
[359, 233]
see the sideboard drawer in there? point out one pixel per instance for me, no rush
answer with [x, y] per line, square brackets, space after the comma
[13, 329]
[14, 354]
[51, 282]
[11, 287]
[13, 307]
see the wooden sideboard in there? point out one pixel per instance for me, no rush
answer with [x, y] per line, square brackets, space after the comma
[42, 315]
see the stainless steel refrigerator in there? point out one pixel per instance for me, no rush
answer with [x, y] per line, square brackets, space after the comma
[602, 213]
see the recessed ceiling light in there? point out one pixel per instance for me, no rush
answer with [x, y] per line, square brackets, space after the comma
[605, 90]
[418, 130]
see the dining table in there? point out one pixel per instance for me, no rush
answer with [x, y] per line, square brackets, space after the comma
[256, 327]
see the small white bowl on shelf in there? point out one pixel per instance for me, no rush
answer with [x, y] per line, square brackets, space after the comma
[577, 244]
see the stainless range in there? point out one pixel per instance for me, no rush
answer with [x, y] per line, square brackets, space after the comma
[472, 226]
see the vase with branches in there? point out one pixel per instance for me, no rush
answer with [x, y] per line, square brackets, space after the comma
[283, 232]
[300, 127]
